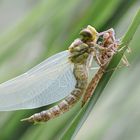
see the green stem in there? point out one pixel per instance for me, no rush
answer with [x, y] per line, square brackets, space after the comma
[84, 112]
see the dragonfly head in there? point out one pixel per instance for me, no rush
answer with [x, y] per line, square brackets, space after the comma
[89, 34]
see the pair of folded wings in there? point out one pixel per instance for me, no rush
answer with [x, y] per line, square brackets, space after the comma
[46, 83]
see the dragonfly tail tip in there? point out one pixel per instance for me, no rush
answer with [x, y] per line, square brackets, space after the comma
[25, 119]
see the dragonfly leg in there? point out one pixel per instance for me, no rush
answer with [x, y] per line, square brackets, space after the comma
[128, 49]
[124, 58]
[94, 68]
[124, 61]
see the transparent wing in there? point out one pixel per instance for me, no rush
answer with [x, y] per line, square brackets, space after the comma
[93, 69]
[48, 82]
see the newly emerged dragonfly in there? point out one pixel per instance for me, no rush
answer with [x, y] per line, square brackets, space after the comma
[62, 76]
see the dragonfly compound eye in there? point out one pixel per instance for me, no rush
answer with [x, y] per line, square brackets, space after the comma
[89, 34]
[86, 34]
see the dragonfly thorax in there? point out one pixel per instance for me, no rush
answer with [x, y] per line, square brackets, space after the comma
[81, 48]
[80, 52]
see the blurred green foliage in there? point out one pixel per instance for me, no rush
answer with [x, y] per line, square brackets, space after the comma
[49, 27]
[84, 112]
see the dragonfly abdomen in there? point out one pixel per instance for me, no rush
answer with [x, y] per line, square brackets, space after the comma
[80, 73]
[57, 110]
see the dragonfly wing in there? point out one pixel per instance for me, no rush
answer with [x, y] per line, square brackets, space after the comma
[48, 82]
[93, 69]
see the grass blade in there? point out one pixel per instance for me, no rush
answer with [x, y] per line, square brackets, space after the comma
[84, 112]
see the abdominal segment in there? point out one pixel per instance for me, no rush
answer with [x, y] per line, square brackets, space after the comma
[80, 73]
[56, 110]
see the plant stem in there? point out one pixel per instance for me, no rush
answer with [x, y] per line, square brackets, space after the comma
[84, 112]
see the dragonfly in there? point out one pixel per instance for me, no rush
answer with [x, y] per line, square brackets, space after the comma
[62, 77]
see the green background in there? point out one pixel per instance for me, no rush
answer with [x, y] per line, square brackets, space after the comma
[33, 30]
